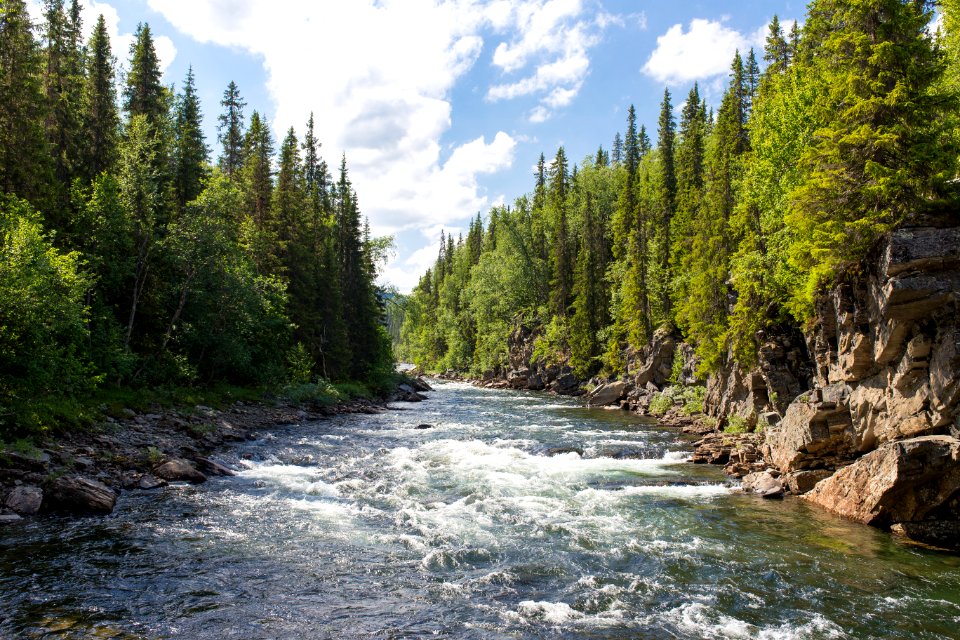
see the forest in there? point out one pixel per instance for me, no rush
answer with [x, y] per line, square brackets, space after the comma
[720, 224]
[132, 259]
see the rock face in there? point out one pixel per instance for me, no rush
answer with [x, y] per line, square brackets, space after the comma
[179, 470]
[80, 495]
[907, 481]
[885, 347]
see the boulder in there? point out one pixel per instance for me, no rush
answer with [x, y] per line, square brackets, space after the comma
[605, 394]
[214, 468]
[420, 384]
[25, 500]
[79, 495]
[9, 518]
[816, 432]
[800, 482]
[763, 483]
[559, 451]
[149, 481]
[517, 378]
[177, 469]
[424, 426]
[901, 481]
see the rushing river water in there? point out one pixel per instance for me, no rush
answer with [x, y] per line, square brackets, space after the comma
[363, 526]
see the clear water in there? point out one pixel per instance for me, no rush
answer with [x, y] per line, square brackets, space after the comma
[363, 526]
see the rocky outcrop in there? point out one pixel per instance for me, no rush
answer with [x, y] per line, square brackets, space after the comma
[762, 394]
[908, 481]
[863, 416]
[764, 483]
[79, 495]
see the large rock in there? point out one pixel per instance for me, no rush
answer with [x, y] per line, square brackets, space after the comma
[763, 483]
[816, 432]
[800, 482]
[25, 500]
[177, 469]
[609, 393]
[902, 481]
[79, 495]
[655, 360]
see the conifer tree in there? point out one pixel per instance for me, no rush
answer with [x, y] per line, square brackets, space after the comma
[561, 260]
[880, 154]
[25, 167]
[144, 94]
[64, 81]
[230, 130]
[776, 51]
[190, 152]
[101, 123]
[616, 155]
[667, 202]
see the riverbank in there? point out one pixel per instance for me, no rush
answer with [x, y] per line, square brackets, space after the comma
[83, 471]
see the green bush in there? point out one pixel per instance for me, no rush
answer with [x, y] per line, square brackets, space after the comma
[661, 403]
[736, 424]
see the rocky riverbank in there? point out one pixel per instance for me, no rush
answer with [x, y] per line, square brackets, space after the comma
[83, 472]
[859, 413]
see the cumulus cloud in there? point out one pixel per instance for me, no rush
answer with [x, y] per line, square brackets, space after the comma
[555, 37]
[378, 75]
[703, 51]
[119, 42]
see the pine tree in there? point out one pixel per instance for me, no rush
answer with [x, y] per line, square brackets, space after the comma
[144, 94]
[64, 81]
[776, 52]
[258, 171]
[881, 154]
[230, 131]
[561, 281]
[101, 123]
[667, 202]
[190, 153]
[24, 155]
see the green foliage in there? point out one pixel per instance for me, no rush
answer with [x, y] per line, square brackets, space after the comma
[660, 404]
[43, 319]
[735, 424]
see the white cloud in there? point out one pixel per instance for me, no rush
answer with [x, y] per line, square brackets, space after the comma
[377, 75]
[555, 37]
[119, 42]
[704, 51]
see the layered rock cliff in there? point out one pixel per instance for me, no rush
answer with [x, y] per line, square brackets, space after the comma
[880, 416]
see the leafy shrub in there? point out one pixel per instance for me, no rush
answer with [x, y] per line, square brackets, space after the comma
[661, 403]
[736, 424]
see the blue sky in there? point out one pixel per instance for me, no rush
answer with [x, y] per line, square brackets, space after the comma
[443, 106]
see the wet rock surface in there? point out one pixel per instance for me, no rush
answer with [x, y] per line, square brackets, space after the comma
[79, 495]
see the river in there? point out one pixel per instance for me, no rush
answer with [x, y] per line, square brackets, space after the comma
[364, 526]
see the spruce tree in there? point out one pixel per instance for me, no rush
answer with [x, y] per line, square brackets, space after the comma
[561, 260]
[144, 94]
[25, 167]
[190, 152]
[776, 52]
[881, 154]
[230, 131]
[616, 155]
[667, 202]
[64, 82]
[101, 122]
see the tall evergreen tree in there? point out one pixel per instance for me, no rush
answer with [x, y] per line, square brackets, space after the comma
[561, 258]
[144, 94]
[230, 130]
[776, 52]
[64, 81]
[668, 201]
[24, 155]
[101, 123]
[617, 149]
[190, 153]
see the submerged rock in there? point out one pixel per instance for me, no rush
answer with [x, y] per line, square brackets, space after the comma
[177, 469]
[9, 518]
[424, 426]
[80, 495]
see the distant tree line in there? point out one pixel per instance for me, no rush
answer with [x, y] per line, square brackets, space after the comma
[129, 258]
[730, 222]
